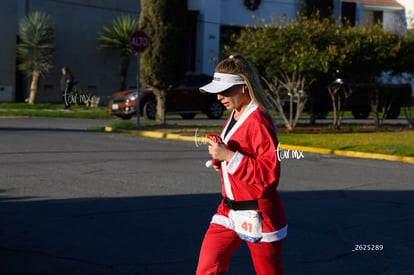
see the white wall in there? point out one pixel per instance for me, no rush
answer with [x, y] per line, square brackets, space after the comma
[236, 14]
[208, 35]
[214, 13]
[392, 19]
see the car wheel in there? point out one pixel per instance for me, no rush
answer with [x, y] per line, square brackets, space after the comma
[188, 115]
[215, 110]
[394, 112]
[361, 112]
[150, 109]
[322, 114]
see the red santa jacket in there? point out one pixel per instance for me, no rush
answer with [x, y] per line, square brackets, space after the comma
[253, 173]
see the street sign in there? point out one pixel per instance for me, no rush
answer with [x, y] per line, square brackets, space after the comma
[139, 41]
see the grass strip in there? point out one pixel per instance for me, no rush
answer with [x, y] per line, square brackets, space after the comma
[391, 143]
[76, 112]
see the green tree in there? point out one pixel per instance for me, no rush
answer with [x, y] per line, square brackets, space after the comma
[310, 49]
[290, 56]
[302, 47]
[115, 35]
[406, 54]
[370, 51]
[374, 51]
[35, 49]
[162, 64]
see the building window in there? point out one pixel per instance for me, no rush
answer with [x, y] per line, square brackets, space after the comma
[323, 7]
[372, 17]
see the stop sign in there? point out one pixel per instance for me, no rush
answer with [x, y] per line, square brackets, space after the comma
[139, 41]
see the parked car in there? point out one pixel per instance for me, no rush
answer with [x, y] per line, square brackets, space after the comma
[184, 99]
[362, 97]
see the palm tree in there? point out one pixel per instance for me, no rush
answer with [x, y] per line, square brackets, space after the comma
[115, 35]
[36, 48]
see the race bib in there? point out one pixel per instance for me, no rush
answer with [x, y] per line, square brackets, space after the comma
[247, 224]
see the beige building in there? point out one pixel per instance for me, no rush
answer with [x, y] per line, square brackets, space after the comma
[77, 23]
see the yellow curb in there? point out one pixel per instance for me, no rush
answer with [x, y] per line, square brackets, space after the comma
[306, 149]
[180, 137]
[154, 134]
[373, 156]
[407, 159]
[150, 134]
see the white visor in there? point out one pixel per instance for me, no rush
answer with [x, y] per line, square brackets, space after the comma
[222, 82]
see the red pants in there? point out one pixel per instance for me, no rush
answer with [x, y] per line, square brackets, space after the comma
[220, 243]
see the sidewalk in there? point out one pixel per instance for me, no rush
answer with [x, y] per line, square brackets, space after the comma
[295, 148]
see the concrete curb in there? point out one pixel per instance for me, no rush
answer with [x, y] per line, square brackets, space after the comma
[353, 154]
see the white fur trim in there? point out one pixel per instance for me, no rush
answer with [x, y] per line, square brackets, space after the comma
[249, 109]
[231, 167]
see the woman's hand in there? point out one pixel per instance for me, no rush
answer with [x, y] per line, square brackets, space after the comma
[220, 151]
[217, 168]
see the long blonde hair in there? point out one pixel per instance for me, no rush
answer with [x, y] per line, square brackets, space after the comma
[239, 65]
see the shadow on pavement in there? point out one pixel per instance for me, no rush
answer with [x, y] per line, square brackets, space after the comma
[163, 234]
[29, 129]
